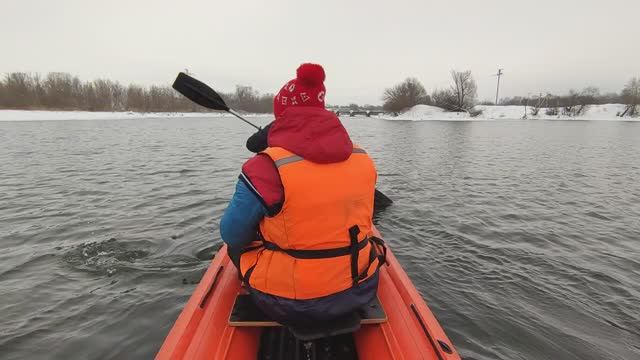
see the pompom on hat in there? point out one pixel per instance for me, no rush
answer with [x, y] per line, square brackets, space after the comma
[307, 89]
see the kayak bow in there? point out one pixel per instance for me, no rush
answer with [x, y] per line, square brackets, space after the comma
[202, 331]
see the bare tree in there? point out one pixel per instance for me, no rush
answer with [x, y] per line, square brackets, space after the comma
[590, 96]
[19, 91]
[248, 99]
[264, 103]
[3, 95]
[244, 97]
[118, 95]
[136, 98]
[61, 91]
[464, 88]
[445, 99]
[587, 97]
[631, 97]
[408, 93]
[103, 95]
[89, 99]
[569, 102]
[611, 98]
[537, 104]
[159, 98]
[577, 103]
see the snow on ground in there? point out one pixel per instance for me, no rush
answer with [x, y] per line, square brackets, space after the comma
[39, 115]
[428, 112]
[491, 112]
[416, 113]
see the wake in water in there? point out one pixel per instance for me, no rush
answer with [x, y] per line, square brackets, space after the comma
[112, 256]
[104, 257]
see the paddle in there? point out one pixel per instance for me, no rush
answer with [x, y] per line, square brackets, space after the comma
[380, 201]
[201, 94]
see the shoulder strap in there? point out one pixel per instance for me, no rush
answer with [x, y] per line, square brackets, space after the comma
[281, 156]
[276, 153]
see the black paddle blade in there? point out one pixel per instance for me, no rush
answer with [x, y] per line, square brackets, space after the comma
[381, 201]
[199, 92]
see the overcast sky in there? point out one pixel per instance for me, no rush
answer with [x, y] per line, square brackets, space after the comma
[365, 46]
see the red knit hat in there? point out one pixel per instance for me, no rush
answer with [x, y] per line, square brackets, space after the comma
[307, 89]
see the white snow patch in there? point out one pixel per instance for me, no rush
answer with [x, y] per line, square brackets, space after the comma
[39, 115]
[492, 112]
[428, 112]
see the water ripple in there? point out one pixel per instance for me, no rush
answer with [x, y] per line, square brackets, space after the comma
[521, 236]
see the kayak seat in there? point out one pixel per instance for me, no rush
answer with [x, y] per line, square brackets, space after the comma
[246, 314]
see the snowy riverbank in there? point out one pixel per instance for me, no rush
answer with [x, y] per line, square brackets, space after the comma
[416, 113]
[490, 112]
[42, 115]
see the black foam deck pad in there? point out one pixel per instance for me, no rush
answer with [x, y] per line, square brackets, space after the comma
[347, 324]
[279, 343]
[246, 313]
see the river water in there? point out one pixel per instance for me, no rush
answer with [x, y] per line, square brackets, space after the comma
[522, 236]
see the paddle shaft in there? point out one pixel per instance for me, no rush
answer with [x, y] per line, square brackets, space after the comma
[232, 112]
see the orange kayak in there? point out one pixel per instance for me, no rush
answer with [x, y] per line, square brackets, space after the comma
[202, 330]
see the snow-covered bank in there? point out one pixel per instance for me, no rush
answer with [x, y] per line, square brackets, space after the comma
[38, 115]
[490, 112]
[416, 113]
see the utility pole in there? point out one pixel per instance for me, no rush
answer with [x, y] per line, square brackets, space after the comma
[498, 87]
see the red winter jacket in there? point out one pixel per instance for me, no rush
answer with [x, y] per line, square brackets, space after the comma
[313, 133]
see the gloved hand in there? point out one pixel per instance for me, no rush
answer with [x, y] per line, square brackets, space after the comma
[258, 141]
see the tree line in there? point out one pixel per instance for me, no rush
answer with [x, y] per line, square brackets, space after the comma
[577, 102]
[461, 95]
[63, 91]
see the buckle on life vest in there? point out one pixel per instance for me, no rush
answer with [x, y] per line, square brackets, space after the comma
[379, 245]
[375, 253]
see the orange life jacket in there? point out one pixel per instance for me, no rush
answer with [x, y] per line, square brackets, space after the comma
[321, 242]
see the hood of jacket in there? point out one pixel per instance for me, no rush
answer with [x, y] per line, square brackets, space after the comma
[315, 134]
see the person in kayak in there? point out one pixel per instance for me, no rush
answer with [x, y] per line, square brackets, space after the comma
[299, 225]
[258, 142]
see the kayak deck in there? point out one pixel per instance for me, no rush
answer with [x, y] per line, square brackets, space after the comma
[202, 331]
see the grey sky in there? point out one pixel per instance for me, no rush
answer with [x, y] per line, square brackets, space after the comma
[365, 46]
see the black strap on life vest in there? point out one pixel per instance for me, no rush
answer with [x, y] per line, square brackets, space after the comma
[316, 254]
[247, 274]
[353, 236]
[379, 252]
[379, 245]
[353, 251]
